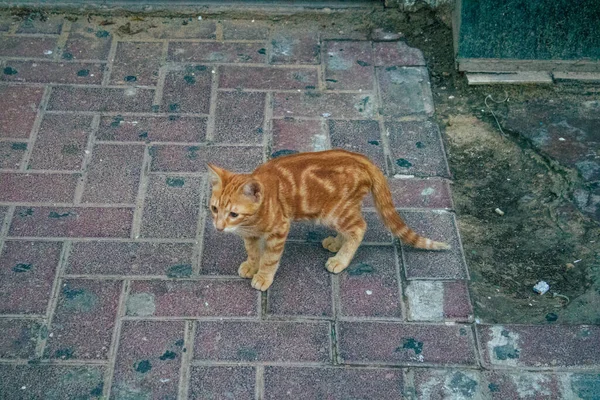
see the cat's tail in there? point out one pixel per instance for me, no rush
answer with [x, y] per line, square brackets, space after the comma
[391, 218]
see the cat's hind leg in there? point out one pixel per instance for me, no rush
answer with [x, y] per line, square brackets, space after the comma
[352, 229]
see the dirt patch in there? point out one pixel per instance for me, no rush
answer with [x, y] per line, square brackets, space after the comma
[542, 235]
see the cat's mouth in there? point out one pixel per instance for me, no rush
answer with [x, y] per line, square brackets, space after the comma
[228, 229]
[218, 228]
[240, 229]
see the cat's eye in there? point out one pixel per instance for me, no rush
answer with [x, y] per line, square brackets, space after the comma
[233, 215]
[213, 209]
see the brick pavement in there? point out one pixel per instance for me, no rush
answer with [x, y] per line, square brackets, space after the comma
[112, 283]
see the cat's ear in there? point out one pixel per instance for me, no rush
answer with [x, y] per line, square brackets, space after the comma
[254, 190]
[216, 175]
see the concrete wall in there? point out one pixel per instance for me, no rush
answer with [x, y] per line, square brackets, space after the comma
[163, 4]
[411, 4]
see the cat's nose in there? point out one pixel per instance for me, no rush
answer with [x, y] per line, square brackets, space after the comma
[219, 226]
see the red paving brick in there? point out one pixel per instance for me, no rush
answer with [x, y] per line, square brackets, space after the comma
[24, 46]
[240, 118]
[540, 346]
[71, 222]
[333, 383]
[447, 264]
[136, 63]
[188, 91]
[54, 72]
[173, 128]
[149, 359]
[211, 52]
[11, 154]
[388, 54]
[376, 230]
[61, 142]
[24, 187]
[405, 344]
[27, 270]
[358, 136]
[234, 77]
[19, 108]
[19, 337]
[84, 320]
[328, 105]
[302, 285]
[191, 29]
[101, 99]
[168, 158]
[216, 298]
[418, 193]
[222, 383]
[86, 47]
[22, 382]
[349, 65]
[48, 25]
[113, 174]
[171, 207]
[291, 136]
[457, 303]
[247, 341]
[130, 258]
[369, 286]
[245, 30]
[417, 148]
[222, 253]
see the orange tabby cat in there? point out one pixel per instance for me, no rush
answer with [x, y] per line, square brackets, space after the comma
[327, 187]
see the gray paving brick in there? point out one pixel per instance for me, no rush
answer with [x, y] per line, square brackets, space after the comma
[404, 91]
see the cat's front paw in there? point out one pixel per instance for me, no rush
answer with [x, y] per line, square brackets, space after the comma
[332, 243]
[262, 281]
[335, 265]
[247, 269]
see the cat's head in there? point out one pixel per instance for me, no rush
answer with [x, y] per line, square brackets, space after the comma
[235, 199]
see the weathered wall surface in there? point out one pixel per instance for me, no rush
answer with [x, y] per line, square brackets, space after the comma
[161, 4]
[410, 4]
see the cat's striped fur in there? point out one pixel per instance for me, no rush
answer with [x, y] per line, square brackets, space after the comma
[327, 187]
